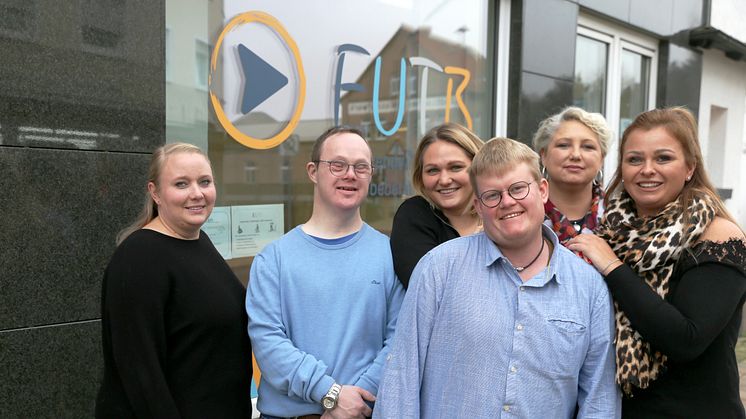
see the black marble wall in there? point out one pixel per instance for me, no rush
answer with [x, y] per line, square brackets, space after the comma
[82, 104]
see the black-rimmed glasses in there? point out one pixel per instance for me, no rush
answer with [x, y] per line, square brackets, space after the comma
[338, 168]
[517, 191]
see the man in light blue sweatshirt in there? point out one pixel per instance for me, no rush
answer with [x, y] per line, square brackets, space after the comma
[323, 299]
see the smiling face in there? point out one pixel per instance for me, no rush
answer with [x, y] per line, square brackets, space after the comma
[573, 155]
[348, 191]
[185, 194]
[654, 169]
[445, 177]
[513, 223]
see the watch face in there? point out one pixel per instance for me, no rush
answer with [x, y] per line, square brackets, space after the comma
[328, 403]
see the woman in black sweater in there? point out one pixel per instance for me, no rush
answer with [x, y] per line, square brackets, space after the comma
[674, 261]
[443, 208]
[174, 331]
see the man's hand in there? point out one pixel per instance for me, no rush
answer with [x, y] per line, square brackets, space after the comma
[351, 404]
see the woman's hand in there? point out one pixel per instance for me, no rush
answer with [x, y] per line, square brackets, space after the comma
[596, 250]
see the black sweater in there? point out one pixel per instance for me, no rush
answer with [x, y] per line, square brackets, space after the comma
[696, 326]
[417, 229]
[174, 338]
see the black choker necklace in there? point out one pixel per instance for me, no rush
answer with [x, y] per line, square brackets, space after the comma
[578, 224]
[521, 268]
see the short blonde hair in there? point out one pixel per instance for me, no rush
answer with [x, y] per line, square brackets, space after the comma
[500, 155]
[594, 121]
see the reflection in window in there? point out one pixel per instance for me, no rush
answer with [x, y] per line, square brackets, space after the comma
[591, 57]
[201, 63]
[394, 86]
[168, 48]
[102, 23]
[635, 87]
[250, 170]
[403, 31]
[17, 16]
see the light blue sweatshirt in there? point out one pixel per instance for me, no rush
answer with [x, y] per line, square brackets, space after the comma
[320, 313]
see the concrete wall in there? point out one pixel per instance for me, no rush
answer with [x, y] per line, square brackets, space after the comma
[721, 126]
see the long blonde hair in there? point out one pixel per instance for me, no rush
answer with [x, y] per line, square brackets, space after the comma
[149, 209]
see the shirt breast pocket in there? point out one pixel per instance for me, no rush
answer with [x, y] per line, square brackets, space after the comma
[568, 342]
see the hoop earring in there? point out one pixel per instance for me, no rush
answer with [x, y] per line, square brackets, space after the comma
[599, 177]
[544, 172]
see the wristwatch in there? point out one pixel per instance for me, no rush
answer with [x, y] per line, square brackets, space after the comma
[330, 400]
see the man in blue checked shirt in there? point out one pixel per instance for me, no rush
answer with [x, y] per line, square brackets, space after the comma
[507, 322]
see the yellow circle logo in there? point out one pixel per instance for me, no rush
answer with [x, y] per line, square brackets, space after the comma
[235, 133]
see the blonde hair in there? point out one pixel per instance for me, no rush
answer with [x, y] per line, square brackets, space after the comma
[500, 155]
[449, 132]
[681, 125]
[149, 209]
[594, 121]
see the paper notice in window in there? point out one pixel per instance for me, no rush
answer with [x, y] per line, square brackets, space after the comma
[254, 226]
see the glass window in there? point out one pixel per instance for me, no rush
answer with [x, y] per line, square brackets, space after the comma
[591, 60]
[281, 74]
[614, 75]
[167, 52]
[635, 87]
[201, 62]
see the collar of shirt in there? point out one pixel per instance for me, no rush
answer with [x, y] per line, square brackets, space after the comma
[493, 254]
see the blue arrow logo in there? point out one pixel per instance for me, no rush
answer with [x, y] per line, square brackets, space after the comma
[262, 80]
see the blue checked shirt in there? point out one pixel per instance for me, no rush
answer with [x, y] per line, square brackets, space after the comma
[474, 341]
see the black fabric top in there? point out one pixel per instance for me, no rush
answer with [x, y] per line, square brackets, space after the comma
[417, 228]
[174, 339]
[696, 326]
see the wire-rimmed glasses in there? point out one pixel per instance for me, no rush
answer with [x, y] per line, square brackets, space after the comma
[338, 168]
[518, 190]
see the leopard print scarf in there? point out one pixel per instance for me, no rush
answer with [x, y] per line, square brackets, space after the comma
[651, 247]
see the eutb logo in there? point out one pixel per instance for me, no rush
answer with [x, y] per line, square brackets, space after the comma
[261, 80]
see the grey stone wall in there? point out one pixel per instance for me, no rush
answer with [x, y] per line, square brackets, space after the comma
[82, 104]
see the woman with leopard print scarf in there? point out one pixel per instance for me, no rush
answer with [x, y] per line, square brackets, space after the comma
[674, 260]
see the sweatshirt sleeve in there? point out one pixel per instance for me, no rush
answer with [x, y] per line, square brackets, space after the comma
[135, 297]
[399, 392]
[682, 328]
[284, 366]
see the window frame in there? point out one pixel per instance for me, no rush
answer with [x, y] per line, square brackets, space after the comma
[619, 38]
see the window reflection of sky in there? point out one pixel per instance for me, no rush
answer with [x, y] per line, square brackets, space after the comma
[319, 26]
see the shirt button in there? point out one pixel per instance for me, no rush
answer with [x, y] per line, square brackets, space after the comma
[506, 408]
[519, 327]
[522, 288]
[513, 369]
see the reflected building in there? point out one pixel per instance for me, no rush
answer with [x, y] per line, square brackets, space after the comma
[89, 88]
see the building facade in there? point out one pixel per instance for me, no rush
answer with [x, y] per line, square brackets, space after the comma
[91, 87]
